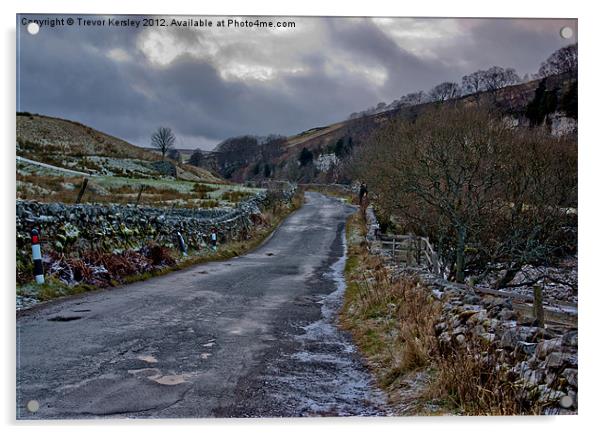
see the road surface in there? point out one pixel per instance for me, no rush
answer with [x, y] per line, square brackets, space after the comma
[248, 337]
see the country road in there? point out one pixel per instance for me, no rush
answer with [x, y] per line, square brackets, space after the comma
[252, 336]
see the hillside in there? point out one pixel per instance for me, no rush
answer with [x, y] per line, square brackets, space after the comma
[72, 145]
[551, 100]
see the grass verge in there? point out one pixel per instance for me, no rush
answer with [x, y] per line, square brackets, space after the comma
[393, 321]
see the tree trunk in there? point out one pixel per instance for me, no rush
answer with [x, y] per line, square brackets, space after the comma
[460, 259]
[507, 277]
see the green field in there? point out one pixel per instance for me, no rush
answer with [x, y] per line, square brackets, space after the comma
[50, 185]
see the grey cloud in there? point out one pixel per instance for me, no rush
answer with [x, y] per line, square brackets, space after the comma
[522, 44]
[67, 73]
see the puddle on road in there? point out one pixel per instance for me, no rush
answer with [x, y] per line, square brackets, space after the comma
[157, 376]
[326, 377]
[235, 331]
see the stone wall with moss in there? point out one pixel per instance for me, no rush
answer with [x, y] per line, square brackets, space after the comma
[73, 229]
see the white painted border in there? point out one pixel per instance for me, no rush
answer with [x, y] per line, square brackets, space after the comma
[589, 188]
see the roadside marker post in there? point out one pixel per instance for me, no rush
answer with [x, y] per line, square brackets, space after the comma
[182, 244]
[36, 252]
[213, 240]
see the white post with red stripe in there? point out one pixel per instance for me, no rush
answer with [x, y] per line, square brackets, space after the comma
[36, 251]
[182, 244]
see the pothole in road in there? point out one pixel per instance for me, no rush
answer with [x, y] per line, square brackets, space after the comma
[147, 359]
[60, 318]
[168, 380]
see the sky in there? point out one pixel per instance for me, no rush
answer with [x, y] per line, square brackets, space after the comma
[208, 84]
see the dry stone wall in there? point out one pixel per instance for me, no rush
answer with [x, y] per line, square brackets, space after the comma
[112, 228]
[542, 362]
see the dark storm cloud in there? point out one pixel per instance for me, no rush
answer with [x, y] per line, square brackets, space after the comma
[208, 87]
[372, 45]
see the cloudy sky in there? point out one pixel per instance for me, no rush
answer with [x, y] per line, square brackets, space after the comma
[211, 84]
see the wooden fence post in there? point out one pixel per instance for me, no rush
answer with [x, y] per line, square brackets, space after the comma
[139, 194]
[538, 312]
[82, 190]
[418, 248]
[435, 259]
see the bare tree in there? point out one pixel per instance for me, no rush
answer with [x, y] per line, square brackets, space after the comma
[445, 91]
[163, 139]
[411, 99]
[474, 82]
[539, 186]
[562, 60]
[437, 175]
[484, 192]
[497, 77]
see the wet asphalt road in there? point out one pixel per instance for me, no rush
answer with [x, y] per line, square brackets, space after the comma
[249, 337]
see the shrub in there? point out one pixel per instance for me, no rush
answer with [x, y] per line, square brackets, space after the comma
[203, 188]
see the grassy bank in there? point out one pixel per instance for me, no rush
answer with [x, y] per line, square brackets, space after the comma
[394, 322]
[47, 185]
[122, 266]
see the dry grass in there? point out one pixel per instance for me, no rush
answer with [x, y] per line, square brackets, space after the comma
[48, 188]
[203, 189]
[393, 323]
[473, 379]
[235, 196]
[208, 203]
[45, 181]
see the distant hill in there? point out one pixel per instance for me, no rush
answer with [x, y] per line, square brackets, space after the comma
[552, 100]
[72, 145]
[47, 135]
